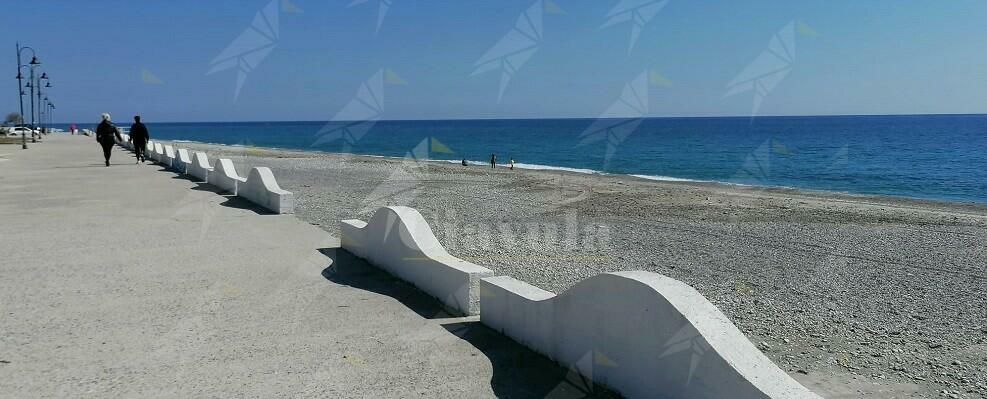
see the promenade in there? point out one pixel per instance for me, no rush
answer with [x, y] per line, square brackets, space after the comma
[133, 281]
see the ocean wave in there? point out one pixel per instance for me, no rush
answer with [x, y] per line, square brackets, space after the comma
[669, 178]
[532, 166]
[528, 166]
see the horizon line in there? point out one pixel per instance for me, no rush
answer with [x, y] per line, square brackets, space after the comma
[566, 118]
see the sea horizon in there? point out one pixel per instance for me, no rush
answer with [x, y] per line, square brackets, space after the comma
[126, 120]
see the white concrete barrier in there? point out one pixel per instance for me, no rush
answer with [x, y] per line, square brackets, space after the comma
[200, 167]
[225, 176]
[182, 161]
[640, 333]
[262, 189]
[159, 153]
[169, 156]
[399, 240]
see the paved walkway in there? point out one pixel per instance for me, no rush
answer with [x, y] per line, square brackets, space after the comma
[131, 281]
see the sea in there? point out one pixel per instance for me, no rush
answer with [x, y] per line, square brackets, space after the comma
[941, 157]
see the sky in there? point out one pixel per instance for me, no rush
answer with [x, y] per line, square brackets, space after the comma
[448, 59]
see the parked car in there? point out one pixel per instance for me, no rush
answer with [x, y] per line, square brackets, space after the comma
[18, 130]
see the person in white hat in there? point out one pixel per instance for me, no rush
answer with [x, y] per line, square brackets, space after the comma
[106, 134]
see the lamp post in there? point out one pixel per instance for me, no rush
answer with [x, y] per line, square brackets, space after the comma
[44, 117]
[30, 84]
[20, 87]
[48, 121]
[44, 77]
[51, 114]
[47, 115]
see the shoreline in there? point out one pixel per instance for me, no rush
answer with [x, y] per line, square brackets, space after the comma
[978, 208]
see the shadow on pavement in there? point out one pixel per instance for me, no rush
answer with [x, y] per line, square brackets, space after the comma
[518, 372]
[232, 201]
[350, 270]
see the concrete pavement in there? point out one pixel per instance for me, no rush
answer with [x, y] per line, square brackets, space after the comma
[131, 281]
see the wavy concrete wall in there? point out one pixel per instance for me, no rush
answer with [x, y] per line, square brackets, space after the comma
[170, 155]
[262, 189]
[643, 334]
[260, 186]
[159, 153]
[398, 240]
[200, 167]
[153, 156]
[226, 177]
[125, 141]
[640, 333]
[182, 160]
[168, 158]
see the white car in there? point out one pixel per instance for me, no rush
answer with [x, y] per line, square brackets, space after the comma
[18, 130]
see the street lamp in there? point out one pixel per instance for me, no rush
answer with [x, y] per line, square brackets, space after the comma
[20, 90]
[44, 76]
[31, 65]
[44, 117]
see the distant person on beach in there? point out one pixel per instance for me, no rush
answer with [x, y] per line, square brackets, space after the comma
[512, 163]
[493, 161]
[139, 136]
[464, 162]
[106, 134]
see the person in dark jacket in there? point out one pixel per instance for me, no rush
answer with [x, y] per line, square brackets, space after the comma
[139, 136]
[106, 136]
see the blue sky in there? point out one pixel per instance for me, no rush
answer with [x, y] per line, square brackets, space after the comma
[851, 57]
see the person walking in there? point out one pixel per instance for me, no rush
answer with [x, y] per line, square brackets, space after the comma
[512, 163]
[139, 136]
[106, 134]
[493, 161]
